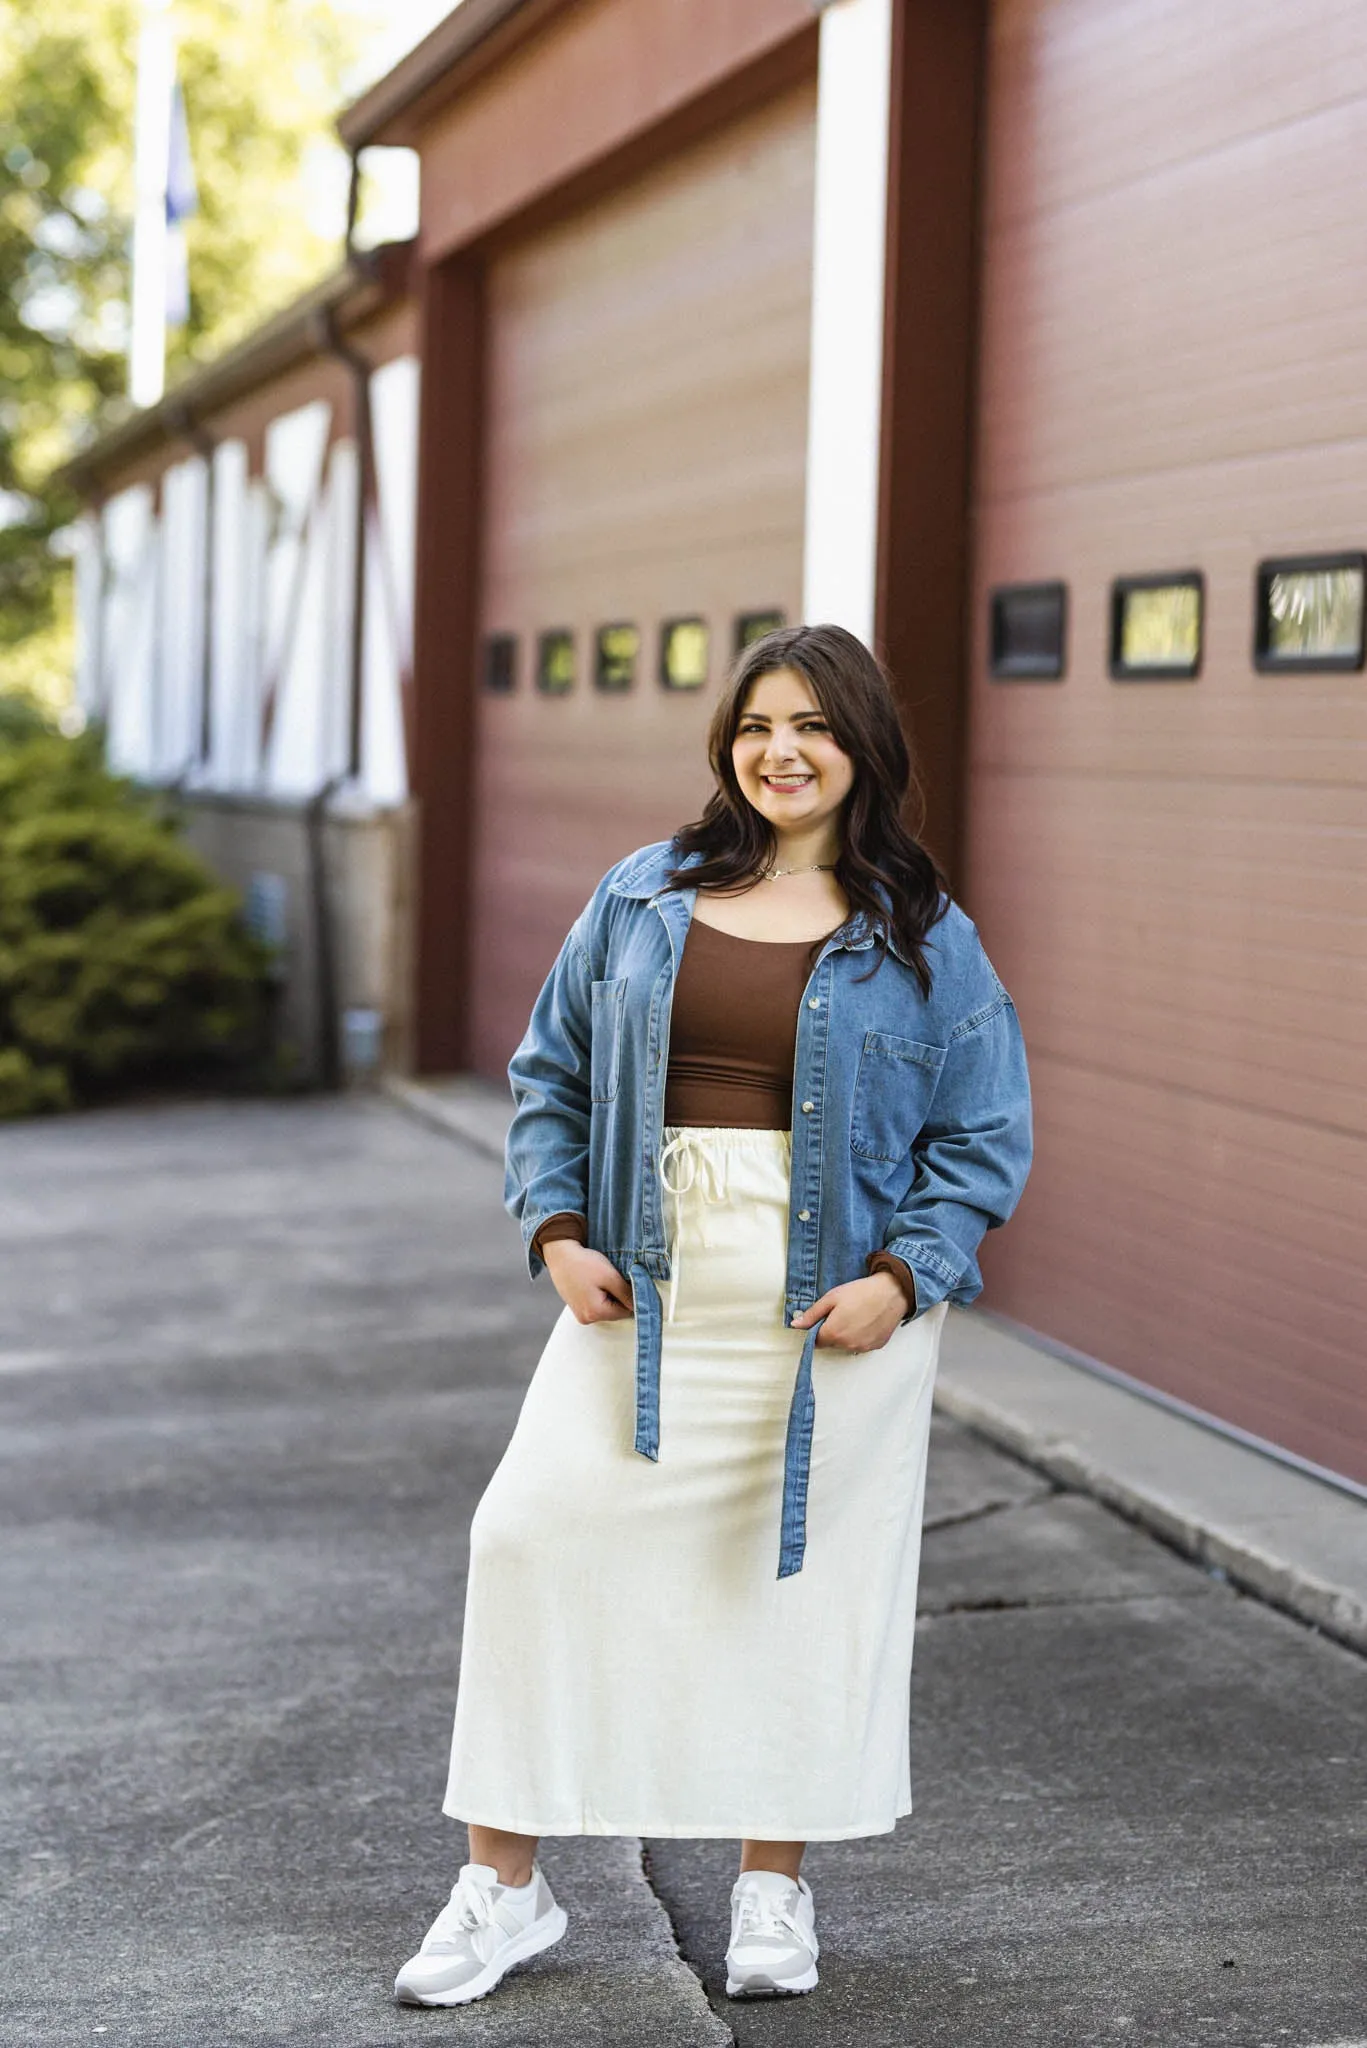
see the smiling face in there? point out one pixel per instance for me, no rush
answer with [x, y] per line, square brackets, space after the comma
[786, 758]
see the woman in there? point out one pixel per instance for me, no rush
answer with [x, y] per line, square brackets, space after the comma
[770, 1098]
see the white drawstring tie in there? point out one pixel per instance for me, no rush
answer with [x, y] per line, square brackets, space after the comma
[705, 1168]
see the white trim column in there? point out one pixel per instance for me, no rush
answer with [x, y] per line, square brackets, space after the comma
[844, 419]
[90, 603]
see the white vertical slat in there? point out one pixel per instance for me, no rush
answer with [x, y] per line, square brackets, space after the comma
[244, 733]
[311, 732]
[228, 652]
[184, 499]
[292, 766]
[296, 445]
[845, 394]
[391, 558]
[130, 633]
[89, 567]
[338, 604]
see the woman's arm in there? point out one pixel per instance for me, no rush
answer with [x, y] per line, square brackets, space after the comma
[971, 1158]
[547, 1153]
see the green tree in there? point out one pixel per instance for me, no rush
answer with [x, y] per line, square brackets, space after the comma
[262, 80]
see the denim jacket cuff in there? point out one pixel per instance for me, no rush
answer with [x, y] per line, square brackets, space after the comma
[533, 1221]
[934, 1277]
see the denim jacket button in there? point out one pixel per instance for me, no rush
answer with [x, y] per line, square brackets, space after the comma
[804, 1215]
[807, 1108]
[813, 1002]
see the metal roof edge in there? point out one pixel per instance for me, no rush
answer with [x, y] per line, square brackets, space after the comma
[290, 336]
[425, 72]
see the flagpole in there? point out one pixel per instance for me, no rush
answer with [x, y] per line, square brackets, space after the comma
[152, 146]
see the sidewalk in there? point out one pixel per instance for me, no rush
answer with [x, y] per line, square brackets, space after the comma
[1297, 1542]
[257, 1363]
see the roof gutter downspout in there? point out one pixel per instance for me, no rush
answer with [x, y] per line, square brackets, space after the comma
[353, 207]
[324, 934]
[315, 812]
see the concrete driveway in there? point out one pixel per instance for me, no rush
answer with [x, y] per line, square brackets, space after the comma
[256, 1363]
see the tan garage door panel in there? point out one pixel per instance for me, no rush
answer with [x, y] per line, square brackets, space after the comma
[646, 454]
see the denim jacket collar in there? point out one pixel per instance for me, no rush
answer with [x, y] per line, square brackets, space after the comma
[648, 873]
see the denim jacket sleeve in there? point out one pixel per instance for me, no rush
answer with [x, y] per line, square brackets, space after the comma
[971, 1157]
[546, 1161]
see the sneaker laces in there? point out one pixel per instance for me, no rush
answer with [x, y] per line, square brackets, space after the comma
[760, 1918]
[469, 1907]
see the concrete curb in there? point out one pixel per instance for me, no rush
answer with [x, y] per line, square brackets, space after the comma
[475, 1113]
[1333, 1609]
[1290, 1539]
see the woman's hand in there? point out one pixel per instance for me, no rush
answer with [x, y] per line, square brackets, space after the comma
[589, 1285]
[860, 1316]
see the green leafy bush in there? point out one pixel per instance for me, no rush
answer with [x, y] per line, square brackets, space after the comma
[121, 957]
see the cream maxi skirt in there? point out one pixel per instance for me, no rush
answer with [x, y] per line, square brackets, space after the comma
[632, 1664]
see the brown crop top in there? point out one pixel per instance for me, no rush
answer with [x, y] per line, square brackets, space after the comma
[732, 1032]
[732, 1043]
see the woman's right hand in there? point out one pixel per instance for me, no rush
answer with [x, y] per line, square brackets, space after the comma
[590, 1286]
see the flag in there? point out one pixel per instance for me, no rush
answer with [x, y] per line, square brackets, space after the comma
[182, 199]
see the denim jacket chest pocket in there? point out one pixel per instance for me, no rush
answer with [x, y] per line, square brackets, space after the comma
[892, 1094]
[608, 1000]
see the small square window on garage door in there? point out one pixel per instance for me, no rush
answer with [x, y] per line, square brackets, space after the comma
[752, 626]
[683, 654]
[1156, 627]
[616, 649]
[1028, 632]
[1312, 613]
[500, 663]
[555, 661]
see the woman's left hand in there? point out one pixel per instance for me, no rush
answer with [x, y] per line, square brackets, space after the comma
[860, 1316]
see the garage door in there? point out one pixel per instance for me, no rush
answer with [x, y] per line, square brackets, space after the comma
[644, 504]
[1170, 867]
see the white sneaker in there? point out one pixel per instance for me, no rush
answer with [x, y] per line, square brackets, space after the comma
[483, 1929]
[773, 1948]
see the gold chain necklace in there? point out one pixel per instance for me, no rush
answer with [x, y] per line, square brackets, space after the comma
[817, 867]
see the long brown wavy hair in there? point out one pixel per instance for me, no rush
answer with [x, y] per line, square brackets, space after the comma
[883, 869]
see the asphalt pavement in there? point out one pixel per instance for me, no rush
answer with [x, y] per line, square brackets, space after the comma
[256, 1363]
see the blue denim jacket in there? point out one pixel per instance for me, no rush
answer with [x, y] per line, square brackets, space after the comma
[910, 1127]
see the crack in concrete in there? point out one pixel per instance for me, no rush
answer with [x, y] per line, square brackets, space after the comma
[649, 1877]
[958, 1517]
[1329, 1610]
[1000, 1604]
